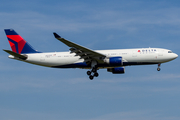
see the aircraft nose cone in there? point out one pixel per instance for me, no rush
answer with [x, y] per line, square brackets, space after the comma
[176, 55]
[172, 56]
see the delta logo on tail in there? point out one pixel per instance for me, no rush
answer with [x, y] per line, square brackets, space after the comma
[17, 43]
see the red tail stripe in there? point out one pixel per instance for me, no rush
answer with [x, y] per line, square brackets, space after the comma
[21, 42]
[13, 47]
[16, 38]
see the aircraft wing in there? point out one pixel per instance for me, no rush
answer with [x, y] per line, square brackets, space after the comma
[85, 53]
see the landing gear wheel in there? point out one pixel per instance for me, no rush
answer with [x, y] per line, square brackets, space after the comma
[91, 77]
[96, 74]
[88, 72]
[158, 69]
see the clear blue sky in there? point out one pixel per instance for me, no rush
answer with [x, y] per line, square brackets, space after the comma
[29, 92]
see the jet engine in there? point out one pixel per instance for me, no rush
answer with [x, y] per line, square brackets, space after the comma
[114, 61]
[118, 70]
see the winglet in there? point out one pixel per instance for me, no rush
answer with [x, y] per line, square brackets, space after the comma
[56, 35]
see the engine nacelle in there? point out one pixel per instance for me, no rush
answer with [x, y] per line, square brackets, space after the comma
[118, 70]
[114, 61]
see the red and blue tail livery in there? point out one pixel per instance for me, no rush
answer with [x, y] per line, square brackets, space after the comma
[17, 43]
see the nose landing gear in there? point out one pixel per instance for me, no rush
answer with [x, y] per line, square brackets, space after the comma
[158, 69]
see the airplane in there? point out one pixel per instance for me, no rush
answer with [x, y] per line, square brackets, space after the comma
[81, 57]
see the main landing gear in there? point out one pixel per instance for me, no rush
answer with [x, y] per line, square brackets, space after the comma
[158, 69]
[93, 73]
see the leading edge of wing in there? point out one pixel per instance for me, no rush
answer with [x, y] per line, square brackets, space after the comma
[74, 45]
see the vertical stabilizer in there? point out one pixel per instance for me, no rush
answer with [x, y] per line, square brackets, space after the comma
[17, 43]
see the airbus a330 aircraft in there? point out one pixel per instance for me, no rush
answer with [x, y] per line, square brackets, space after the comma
[81, 57]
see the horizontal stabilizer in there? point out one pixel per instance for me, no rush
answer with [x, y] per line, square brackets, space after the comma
[23, 57]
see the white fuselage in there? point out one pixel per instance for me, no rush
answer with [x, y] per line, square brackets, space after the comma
[130, 57]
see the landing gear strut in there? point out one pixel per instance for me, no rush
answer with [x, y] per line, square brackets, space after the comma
[158, 69]
[93, 70]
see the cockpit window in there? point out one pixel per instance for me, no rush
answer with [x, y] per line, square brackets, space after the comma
[170, 52]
